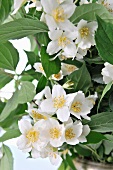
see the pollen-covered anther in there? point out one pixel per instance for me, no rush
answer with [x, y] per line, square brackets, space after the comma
[76, 106]
[57, 76]
[84, 32]
[32, 135]
[69, 134]
[41, 68]
[37, 115]
[63, 41]
[55, 133]
[59, 101]
[58, 14]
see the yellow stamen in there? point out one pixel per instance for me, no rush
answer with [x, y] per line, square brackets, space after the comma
[41, 68]
[84, 32]
[55, 133]
[59, 102]
[35, 115]
[58, 14]
[57, 76]
[76, 106]
[71, 68]
[32, 135]
[69, 134]
[63, 41]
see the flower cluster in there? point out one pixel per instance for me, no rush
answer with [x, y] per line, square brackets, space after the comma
[53, 124]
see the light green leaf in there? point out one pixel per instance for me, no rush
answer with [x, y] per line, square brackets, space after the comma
[21, 28]
[5, 8]
[6, 163]
[24, 95]
[106, 89]
[62, 167]
[102, 122]
[41, 84]
[32, 58]
[9, 56]
[5, 78]
[81, 79]
[104, 40]
[50, 67]
[111, 101]
[88, 12]
[108, 146]
[11, 133]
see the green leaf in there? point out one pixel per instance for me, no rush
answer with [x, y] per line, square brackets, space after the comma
[88, 12]
[106, 89]
[30, 75]
[6, 163]
[41, 84]
[82, 150]
[24, 95]
[43, 38]
[11, 133]
[32, 58]
[2, 105]
[70, 162]
[9, 56]
[62, 167]
[102, 122]
[104, 40]
[108, 146]
[5, 8]
[81, 79]
[5, 78]
[95, 137]
[21, 28]
[111, 101]
[50, 67]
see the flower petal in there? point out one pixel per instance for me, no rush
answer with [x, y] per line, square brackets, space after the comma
[24, 126]
[47, 106]
[53, 47]
[50, 22]
[63, 114]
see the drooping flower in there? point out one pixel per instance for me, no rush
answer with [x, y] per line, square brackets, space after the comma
[67, 69]
[72, 132]
[31, 137]
[58, 76]
[85, 132]
[39, 68]
[85, 34]
[57, 14]
[61, 41]
[58, 103]
[79, 106]
[107, 73]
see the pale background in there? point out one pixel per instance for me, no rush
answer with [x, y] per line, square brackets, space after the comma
[21, 162]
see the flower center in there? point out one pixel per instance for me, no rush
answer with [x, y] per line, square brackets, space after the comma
[58, 14]
[69, 134]
[84, 32]
[59, 102]
[41, 68]
[71, 68]
[63, 41]
[32, 135]
[76, 106]
[37, 115]
[55, 133]
[107, 6]
[57, 76]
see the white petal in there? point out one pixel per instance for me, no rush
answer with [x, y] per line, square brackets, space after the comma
[55, 159]
[66, 26]
[35, 153]
[70, 49]
[55, 34]
[47, 92]
[53, 47]
[22, 142]
[49, 5]
[24, 126]
[47, 106]
[63, 114]
[50, 22]
[58, 91]
[69, 9]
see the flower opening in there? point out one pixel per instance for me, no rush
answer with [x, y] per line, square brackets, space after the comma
[55, 133]
[32, 135]
[69, 134]
[76, 106]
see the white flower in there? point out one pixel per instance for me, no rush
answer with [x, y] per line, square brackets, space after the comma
[18, 4]
[91, 100]
[58, 103]
[73, 132]
[80, 106]
[58, 76]
[37, 114]
[39, 68]
[107, 73]
[67, 69]
[57, 14]
[36, 4]
[108, 4]
[80, 53]
[85, 2]
[85, 132]
[54, 132]
[85, 34]
[61, 41]
[31, 136]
